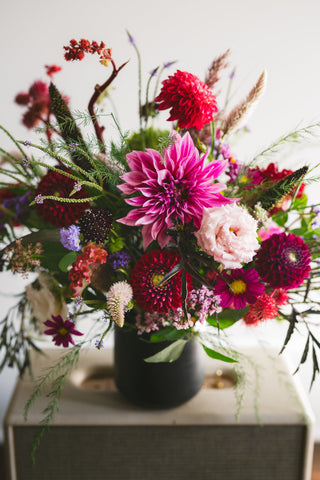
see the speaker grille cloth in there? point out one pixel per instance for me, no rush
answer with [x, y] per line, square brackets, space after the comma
[235, 452]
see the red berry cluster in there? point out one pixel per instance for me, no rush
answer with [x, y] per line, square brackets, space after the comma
[77, 50]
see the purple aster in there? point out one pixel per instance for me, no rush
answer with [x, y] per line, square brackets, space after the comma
[172, 188]
[61, 331]
[119, 259]
[245, 287]
[70, 238]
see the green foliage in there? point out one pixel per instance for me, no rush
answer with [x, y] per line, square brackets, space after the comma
[227, 318]
[270, 197]
[218, 356]
[69, 130]
[67, 260]
[149, 138]
[167, 334]
[168, 354]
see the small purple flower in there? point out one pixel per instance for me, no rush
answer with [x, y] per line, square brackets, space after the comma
[27, 143]
[169, 64]
[26, 162]
[72, 146]
[119, 259]
[39, 199]
[232, 75]
[78, 301]
[77, 186]
[131, 39]
[153, 72]
[99, 344]
[70, 238]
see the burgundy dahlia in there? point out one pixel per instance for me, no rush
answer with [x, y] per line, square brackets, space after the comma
[190, 100]
[147, 272]
[57, 213]
[283, 260]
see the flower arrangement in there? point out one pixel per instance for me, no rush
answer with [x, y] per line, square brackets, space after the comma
[165, 231]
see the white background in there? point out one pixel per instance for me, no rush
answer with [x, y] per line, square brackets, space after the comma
[281, 36]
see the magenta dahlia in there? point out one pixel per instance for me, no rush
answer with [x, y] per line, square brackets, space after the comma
[57, 213]
[175, 187]
[147, 272]
[283, 260]
[61, 331]
[191, 101]
[245, 287]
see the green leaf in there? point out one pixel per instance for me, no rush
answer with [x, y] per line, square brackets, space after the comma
[227, 318]
[218, 356]
[167, 334]
[168, 354]
[67, 260]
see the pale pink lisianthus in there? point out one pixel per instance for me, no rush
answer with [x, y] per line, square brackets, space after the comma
[229, 234]
[272, 228]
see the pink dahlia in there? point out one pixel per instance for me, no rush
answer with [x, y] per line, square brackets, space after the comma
[61, 331]
[191, 101]
[283, 260]
[245, 287]
[147, 272]
[173, 188]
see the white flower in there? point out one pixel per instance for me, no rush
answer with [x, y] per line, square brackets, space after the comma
[229, 234]
[45, 300]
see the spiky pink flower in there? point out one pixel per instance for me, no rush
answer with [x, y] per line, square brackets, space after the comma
[265, 308]
[118, 297]
[190, 100]
[173, 188]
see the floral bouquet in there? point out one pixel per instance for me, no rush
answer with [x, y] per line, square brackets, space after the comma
[163, 232]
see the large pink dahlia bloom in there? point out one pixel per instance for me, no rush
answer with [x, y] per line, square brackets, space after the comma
[175, 187]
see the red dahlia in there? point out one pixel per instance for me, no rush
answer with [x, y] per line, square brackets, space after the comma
[147, 272]
[58, 213]
[191, 101]
[283, 260]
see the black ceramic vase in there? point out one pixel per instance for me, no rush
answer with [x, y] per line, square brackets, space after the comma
[156, 385]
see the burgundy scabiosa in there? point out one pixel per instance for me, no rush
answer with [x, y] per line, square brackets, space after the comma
[244, 287]
[147, 272]
[60, 214]
[191, 102]
[61, 331]
[95, 225]
[173, 188]
[283, 260]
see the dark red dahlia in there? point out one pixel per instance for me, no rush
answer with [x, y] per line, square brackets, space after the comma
[191, 101]
[58, 213]
[283, 261]
[147, 272]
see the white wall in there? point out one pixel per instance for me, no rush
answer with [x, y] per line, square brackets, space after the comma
[279, 35]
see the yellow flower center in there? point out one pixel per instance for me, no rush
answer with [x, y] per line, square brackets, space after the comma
[244, 179]
[63, 331]
[156, 278]
[238, 287]
[292, 257]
